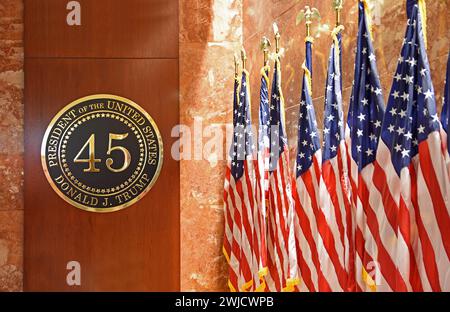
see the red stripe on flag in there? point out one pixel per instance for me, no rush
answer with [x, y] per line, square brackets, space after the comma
[307, 179]
[328, 241]
[235, 246]
[276, 273]
[387, 265]
[351, 282]
[305, 227]
[329, 178]
[246, 264]
[440, 209]
[428, 254]
[250, 224]
[361, 251]
[404, 226]
[283, 243]
[284, 157]
[261, 219]
[389, 205]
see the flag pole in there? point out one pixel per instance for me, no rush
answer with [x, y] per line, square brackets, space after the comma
[277, 38]
[243, 58]
[308, 14]
[265, 44]
[236, 66]
[308, 21]
[337, 5]
[277, 42]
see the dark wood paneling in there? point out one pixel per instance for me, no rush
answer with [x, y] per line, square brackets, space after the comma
[135, 249]
[109, 29]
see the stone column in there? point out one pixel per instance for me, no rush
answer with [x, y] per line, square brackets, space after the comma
[210, 33]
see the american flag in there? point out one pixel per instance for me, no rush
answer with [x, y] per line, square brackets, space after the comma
[263, 173]
[240, 197]
[306, 193]
[410, 171]
[282, 255]
[445, 115]
[375, 260]
[336, 250]
[228, 207]
[264, 127]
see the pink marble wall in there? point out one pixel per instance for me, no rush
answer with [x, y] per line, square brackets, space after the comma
[11, 145]
[210, 32]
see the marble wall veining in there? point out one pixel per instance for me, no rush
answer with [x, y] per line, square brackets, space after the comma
[11, 145]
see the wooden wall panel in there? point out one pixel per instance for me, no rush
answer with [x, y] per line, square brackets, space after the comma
[109, 28]
[126, 48]
[133, 249]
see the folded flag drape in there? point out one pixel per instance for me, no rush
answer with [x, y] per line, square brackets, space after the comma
[228, 207]
[240, 198]
[337, 251]
[282, 254]
[307, 178]
[263, 173]
[410, 173]
[374, 265]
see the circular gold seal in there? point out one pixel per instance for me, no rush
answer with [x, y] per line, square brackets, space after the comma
[102, 153]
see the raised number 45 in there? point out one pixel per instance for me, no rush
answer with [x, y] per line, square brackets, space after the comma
[90, 144]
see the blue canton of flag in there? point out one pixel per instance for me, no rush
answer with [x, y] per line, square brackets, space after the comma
[411, 110]
[264, 111]
[308, 138]
[446, 105]
[333, 131]
[278, 140]
[306, 193]
[236, 106]
[282, 254]
[263, 178]
[365, 116]
[366, 108]
[242, 141]
[336, 205]
[412, 162]
[229, 241]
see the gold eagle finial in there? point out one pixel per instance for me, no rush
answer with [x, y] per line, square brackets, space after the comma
[307, 14]
[338, 5]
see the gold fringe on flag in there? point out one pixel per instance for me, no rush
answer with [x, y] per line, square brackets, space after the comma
[226, 255]
[264, 72]
[290, 284]
[308, 78]
[247, 81]
[334, 34]
[368, 280]
[231, 287]
[247, 286]
[262, 274]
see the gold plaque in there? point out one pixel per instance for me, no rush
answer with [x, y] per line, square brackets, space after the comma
[102, 153]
